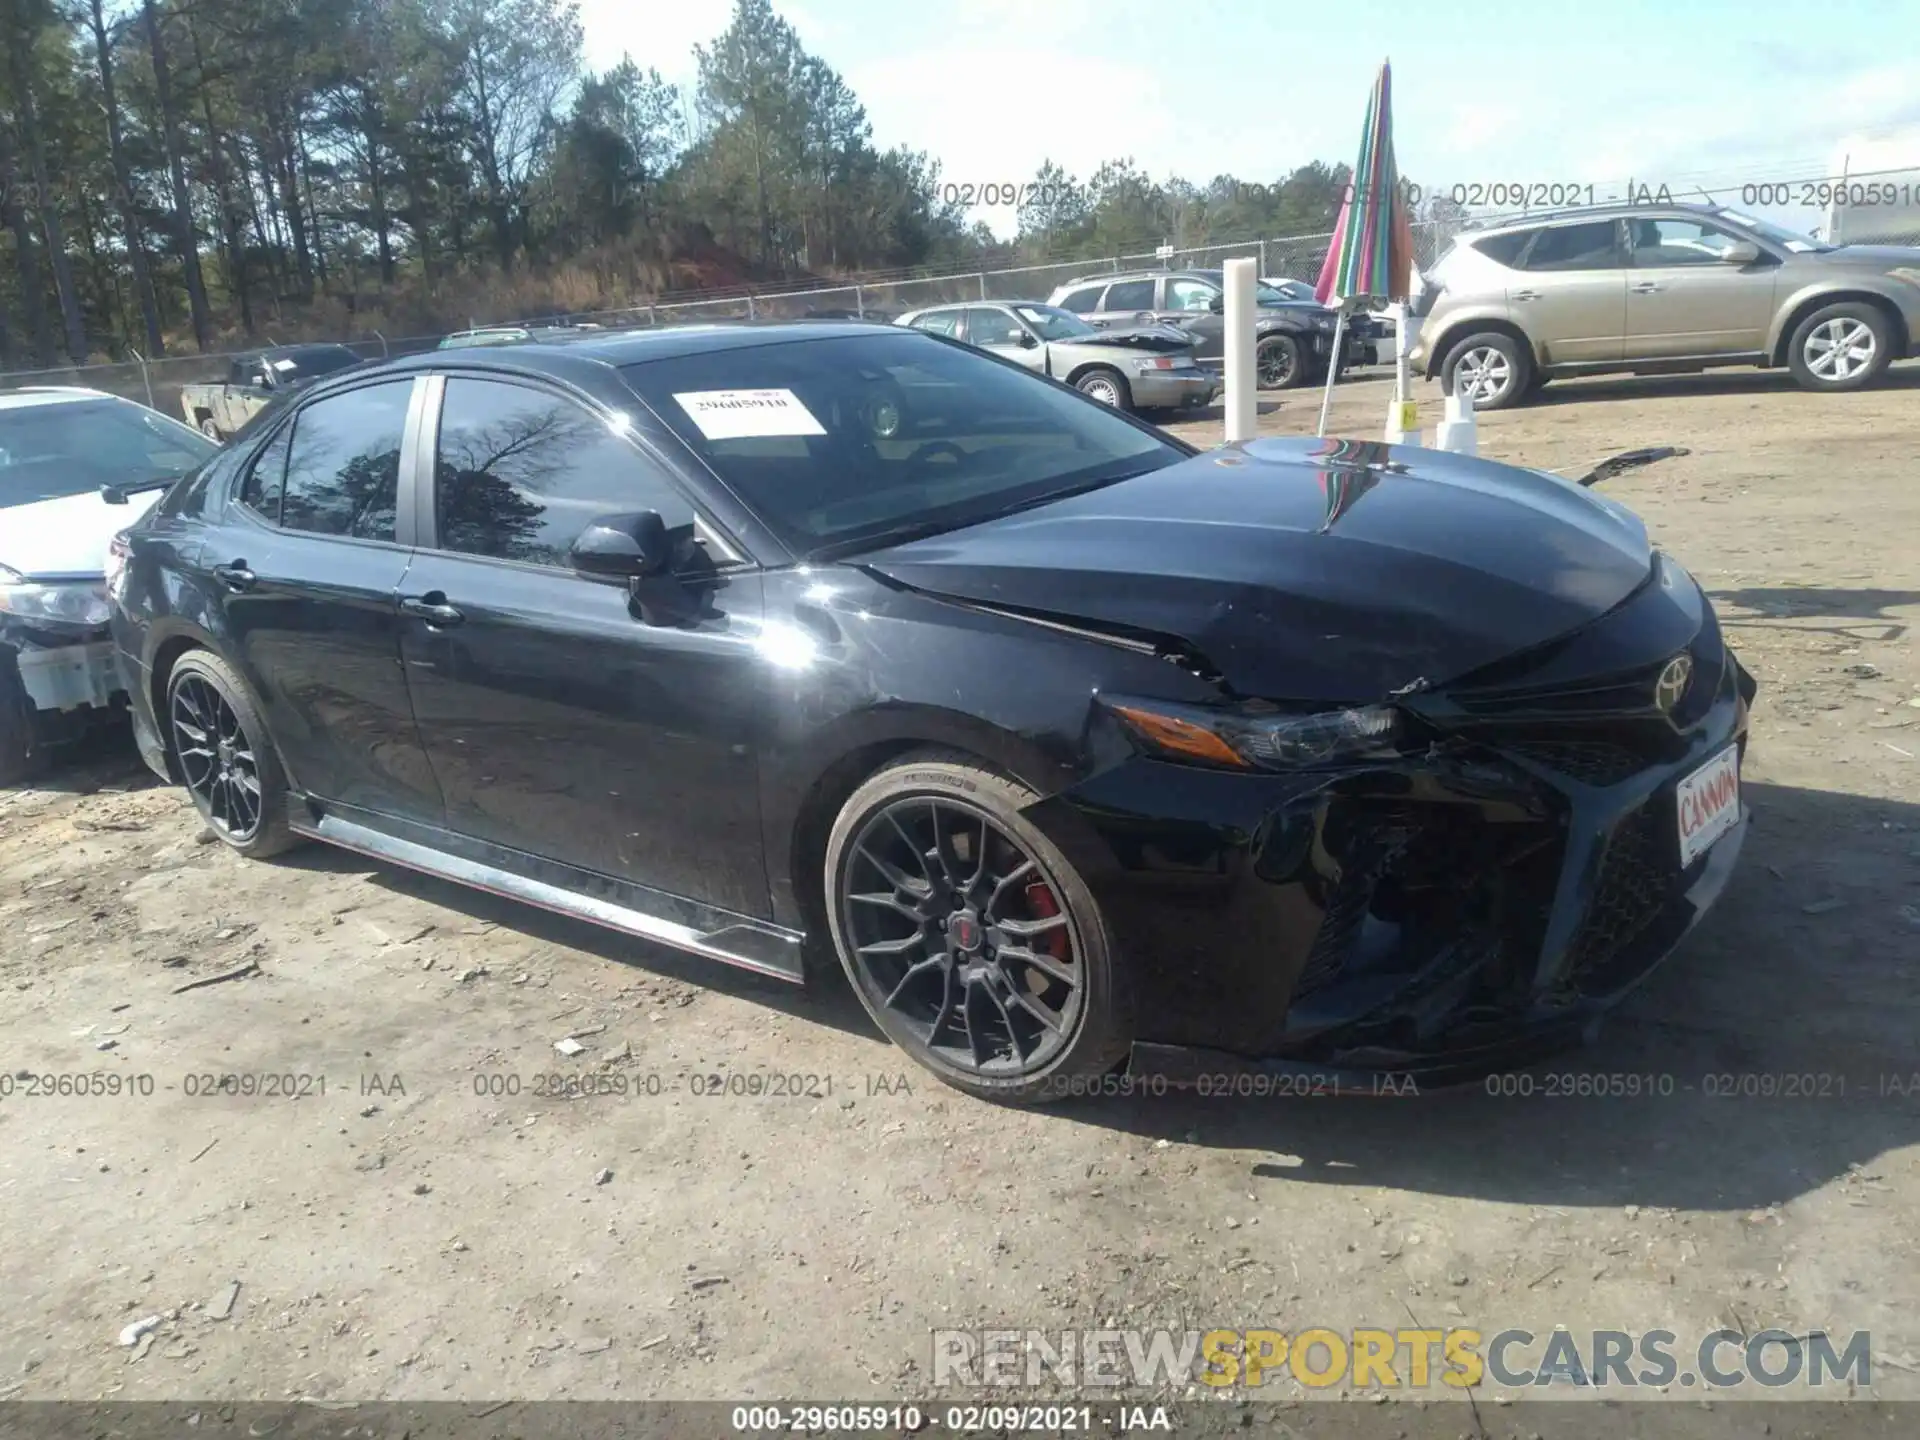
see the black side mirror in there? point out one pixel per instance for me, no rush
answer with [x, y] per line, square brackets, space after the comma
[1217, 304]
[1027, 340]
[627, 547]
[113, 494]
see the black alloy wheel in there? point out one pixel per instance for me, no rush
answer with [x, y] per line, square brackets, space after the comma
[1277, 363]
[960, 927]
[216, 759]
[225, 757]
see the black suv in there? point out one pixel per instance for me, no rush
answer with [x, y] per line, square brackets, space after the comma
[1293, 338]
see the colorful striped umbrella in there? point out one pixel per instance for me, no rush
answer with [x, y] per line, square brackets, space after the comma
[1371, 257]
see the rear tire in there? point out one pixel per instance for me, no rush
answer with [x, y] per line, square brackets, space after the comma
[221, 747]
[209, 429]
[969, 935]
[1840, 347]
[1492, 367]
[1107, 386]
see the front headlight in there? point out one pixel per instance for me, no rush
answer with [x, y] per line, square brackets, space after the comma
[81, 603]
[1250, 738]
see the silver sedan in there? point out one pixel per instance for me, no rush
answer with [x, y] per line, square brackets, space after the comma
[1139, 367]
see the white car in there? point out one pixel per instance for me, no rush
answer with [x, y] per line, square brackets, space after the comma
[76, 467]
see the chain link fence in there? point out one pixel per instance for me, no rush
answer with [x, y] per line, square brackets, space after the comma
[158, 382]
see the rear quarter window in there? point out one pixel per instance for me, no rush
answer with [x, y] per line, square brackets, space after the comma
[1503, 249]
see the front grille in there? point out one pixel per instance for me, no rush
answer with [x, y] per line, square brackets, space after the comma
[1371, 853]
[1592, 762]
[1638, 879]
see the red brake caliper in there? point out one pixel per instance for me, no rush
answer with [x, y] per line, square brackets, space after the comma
[1045, 907]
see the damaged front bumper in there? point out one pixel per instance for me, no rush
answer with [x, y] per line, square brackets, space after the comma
[1434, 918]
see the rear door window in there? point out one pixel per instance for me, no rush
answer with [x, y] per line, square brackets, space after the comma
[1593, 245]
[938, 322]
[343, 468]
[1130, 295]
[1083, 301]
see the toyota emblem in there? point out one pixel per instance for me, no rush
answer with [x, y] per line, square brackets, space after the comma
[1671, 687]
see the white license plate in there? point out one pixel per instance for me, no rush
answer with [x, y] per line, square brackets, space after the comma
[1709, 804]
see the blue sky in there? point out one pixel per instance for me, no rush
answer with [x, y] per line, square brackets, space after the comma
[1684, 92]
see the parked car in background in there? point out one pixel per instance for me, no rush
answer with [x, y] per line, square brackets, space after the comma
[1293, 339]
[58, 448]
[1076, 746]
[1301, 290]
[1136, 367]
[218, 411]
[1383, 332]
[1661, 290]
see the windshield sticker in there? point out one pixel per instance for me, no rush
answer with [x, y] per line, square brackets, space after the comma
[284, 365]
[735, 414]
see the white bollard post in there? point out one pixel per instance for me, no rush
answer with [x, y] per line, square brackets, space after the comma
[1457, 432]
[1403, 416]
[1237, 310]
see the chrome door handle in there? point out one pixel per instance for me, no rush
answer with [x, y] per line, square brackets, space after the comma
[235, 577]
[432, 608]
[1525, 295]
[1647, 287]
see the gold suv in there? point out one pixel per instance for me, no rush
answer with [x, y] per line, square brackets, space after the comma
[1660, 289]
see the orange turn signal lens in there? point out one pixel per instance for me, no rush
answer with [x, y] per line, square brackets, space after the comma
[1181, 737]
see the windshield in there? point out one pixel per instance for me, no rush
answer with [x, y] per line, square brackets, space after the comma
[1263, 293]
[843, 443]
[1787, 239]
[1053, 323]
[72, 446]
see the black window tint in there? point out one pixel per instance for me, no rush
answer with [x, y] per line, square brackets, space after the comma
[1130, 295]
[1591, 246]
[343, 471]
[1083, 301]
[266, 477]
[1504, 249]
[520, 473]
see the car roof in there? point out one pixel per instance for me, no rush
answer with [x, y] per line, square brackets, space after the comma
[31, 396]
[1582, 213]
[627, 347]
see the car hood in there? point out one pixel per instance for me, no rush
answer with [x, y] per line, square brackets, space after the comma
[1875, 255]
[1135, 337]
[1317, 571]
[68, 535]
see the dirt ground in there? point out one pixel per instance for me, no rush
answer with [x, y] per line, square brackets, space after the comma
[429, 1227]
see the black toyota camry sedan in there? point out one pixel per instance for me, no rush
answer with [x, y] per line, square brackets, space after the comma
[1085, 753]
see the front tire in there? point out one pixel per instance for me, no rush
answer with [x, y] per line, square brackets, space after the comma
[22, 756]
[1107, 386]
[209, 429]
[970, 937]
[1840, 347]
[1492, 368]
[226, 757]
[1278, 364]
